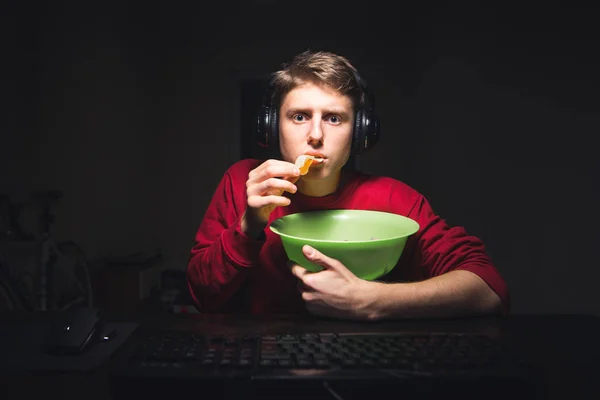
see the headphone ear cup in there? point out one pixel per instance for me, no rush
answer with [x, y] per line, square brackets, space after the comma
[358, 132]
[267, 124]
[371, 127]
[366, 131]
[366, 123]
[267, 127]
[273, 131]
[262, 127]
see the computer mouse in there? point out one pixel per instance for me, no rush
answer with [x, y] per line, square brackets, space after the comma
[73, 331]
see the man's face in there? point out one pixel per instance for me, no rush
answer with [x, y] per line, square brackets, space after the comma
[318, 121]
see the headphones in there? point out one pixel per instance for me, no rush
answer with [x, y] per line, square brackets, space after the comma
[364, 135]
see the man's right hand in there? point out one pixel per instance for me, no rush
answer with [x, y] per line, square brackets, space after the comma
[264, 189]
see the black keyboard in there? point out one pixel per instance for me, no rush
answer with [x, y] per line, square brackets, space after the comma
[385, 355]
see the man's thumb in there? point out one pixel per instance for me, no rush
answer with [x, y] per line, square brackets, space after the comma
[315, 256]
[309, 252]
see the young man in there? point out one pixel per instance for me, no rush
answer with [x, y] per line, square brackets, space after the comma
[320, 107]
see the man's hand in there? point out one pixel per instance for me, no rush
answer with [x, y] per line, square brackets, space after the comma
[333, 291]
[337, 292]
[264, 189]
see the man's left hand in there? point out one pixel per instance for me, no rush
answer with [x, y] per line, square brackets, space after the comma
[333, 291]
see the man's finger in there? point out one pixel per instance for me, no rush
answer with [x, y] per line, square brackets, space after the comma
[303, 287]
[297, 270]
[275, 168]
[315, 256]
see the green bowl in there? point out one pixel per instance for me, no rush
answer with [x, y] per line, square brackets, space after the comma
[368, 243]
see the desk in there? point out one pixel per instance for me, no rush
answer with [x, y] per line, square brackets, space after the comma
[565, 347]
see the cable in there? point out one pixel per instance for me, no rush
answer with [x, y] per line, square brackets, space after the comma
[6, 297]
[14, 288]
[331, 391]
[83, 264]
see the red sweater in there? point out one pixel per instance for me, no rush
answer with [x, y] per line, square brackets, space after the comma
[230, 272]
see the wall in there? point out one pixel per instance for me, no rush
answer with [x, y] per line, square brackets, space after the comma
[134, 114]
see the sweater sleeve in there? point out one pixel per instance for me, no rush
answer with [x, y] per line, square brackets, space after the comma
[221, 254]
[440, 248]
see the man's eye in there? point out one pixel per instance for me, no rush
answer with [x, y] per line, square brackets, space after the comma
[334, 119]
[298, 118]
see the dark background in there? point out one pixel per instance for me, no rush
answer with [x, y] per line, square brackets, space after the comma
[134, 111]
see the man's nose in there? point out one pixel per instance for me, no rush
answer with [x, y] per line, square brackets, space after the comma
[316, 131]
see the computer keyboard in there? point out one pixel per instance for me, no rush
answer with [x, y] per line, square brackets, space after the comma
[330, 354]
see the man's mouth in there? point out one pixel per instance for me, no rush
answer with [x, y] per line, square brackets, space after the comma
[317, 157]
